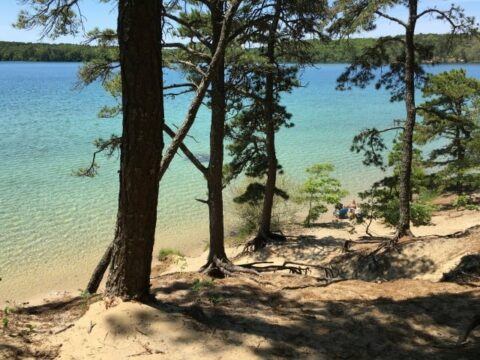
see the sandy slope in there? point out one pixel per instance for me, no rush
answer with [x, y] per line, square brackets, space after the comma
[405, 313]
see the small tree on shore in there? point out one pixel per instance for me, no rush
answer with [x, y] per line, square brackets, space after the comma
[319, 190]
[380, 202]
[281, 35]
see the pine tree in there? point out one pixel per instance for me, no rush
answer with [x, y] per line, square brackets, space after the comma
[405, 73]
[451, 120]
[281, 35]
[139, 38]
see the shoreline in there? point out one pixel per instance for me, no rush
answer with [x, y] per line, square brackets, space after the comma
[442, 224]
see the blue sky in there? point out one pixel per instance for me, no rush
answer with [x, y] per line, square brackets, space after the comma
[104, 15]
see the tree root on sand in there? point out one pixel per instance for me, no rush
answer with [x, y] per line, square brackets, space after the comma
[262, 240]
[222, 268]
[462, 340]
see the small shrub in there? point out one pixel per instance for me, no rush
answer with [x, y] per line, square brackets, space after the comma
[421, 213]
[198, 285]
[27, 331]
[215, 298]
[462, 201]
[248, 206]
[466, 202]
[85, 295]
[472, 207]
[165, 253]
[319, 190]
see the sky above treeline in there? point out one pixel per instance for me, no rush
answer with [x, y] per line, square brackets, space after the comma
[103, 15]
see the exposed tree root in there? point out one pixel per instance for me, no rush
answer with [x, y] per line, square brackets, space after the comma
[262, 240]
[292, 267]
[399, 234]
[460, 234]
[471, 326]
[322, 282]
[222, 268]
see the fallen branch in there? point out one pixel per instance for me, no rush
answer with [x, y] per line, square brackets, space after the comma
[92, 325]
[64, 329]
[327, 281]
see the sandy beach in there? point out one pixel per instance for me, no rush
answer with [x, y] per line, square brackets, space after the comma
[278, 315]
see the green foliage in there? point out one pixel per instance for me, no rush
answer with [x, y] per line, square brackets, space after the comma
[371, 144]
[451, 115]
[381, 201]
[444, 49]
[198, 285]
[85, 296]
[165, 253]
[421, 213]
[215, 298]
[5, 319]
[168, 254]
[248, 205]
[319, 190]
[246, 130]
[55, 17]
[17, 51]
[466, 202]
[255, 193]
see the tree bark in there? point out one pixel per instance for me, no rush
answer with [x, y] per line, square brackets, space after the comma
[217, 134]
[264, 232]
[179, 136]
[139, 37]
[403, 227]
[97, 275]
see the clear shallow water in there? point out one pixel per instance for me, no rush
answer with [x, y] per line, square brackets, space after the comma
[54, 226]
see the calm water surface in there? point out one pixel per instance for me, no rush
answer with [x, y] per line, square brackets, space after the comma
[54, 226]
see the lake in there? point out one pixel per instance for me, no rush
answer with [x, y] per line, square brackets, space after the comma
[55, 226]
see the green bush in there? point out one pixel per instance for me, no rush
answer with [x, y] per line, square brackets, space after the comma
[463, 201]
[466, 202]
[421, 213]
[165, 253]
[319, 190]
[248, 213]
[198, 285]
[385, 205]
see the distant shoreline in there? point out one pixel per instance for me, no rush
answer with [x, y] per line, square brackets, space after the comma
[314, 64]
[444, 50]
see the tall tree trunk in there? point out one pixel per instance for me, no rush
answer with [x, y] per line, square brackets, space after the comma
[139, 37]
[264, 232]
[217, 134]
[178, 138]
[403, 227]
[100, 269]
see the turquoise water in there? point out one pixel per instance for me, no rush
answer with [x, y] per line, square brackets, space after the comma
[54, 226]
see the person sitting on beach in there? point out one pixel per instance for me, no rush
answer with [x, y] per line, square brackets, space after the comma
[352, 210]
[341, 212]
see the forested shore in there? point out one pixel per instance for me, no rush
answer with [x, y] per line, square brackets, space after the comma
[394, 276]
[445, 49]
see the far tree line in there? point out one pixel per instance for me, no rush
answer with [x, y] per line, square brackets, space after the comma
[232, 54]
[445, 48]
